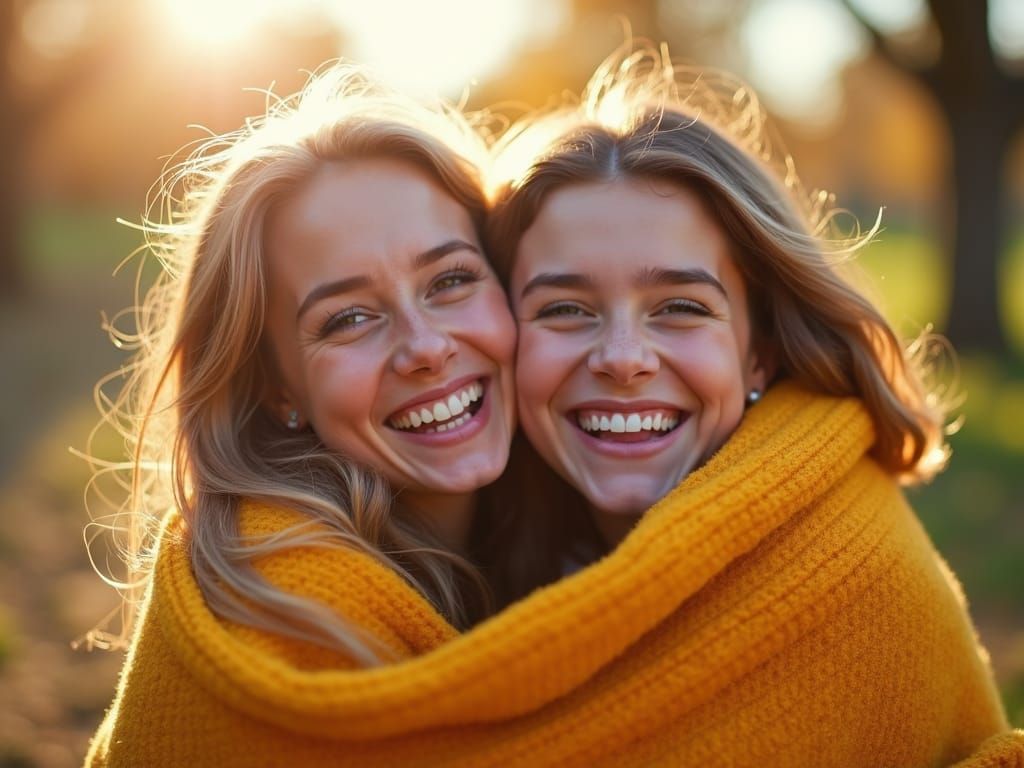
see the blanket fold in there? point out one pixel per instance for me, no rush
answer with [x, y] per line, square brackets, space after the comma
[782, 606]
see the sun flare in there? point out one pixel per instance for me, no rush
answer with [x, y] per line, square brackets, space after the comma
[436, 47]
[210, 23]
[427, 49]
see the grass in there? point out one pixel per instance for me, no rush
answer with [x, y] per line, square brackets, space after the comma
[7, 638]
[1011, 282]
[893, 266]
[78, 240]
[909, 277]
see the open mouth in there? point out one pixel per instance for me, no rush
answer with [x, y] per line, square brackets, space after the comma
[444, 414]
[631, 427]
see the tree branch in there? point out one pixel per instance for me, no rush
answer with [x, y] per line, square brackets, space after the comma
[881, 46]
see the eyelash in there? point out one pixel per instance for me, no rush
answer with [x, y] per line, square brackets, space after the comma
[335, 321]
[465, 272]
[686, 305]
[557, 310]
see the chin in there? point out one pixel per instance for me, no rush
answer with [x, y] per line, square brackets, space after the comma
[630, 503]
[469, 480]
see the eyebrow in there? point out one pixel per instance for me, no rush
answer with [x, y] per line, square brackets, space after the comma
[556, 280]
[646, 278]
[358, 282]
[649, 278]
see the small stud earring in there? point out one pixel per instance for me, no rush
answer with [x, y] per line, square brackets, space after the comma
[753, 397]
[293, 419]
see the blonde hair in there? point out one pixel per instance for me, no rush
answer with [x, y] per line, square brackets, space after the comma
[191, 409]
[643, 116]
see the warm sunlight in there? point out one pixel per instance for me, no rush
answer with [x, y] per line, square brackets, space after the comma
[424, 48]
[440, 46]
[217, 22]
[795, 50]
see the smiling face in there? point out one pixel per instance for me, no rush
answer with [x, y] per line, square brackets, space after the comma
[391, 334]
[635, 354]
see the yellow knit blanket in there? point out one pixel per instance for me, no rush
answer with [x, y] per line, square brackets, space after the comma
[781, 607]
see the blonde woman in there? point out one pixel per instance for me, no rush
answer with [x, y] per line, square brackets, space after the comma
[324, 385]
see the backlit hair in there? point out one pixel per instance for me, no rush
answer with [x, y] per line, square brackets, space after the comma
[192, 407]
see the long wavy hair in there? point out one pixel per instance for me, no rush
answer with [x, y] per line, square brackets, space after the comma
[192, 409]
[642, 116]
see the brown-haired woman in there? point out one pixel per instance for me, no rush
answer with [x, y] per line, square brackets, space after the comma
[686, 335]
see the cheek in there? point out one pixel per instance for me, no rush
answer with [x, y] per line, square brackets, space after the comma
[544, 363]
[710, 364]
[342, 384]
[488, 325]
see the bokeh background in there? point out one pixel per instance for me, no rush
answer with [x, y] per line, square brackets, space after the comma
[914, 106]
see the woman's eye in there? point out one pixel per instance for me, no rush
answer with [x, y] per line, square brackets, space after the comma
[346, 320]
[683, 306]
[562, 311]
[453, 279]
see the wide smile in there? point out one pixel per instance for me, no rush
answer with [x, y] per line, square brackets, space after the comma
[627, 432]
[456, 411]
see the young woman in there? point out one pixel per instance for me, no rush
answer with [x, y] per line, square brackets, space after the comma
[323, 387]
[684, 333]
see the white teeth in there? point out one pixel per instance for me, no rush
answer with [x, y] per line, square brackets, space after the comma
[633, 422]
[442, 411]
[455, 405]
[452, 424]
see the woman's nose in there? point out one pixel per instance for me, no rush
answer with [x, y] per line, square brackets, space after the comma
[625, 357]
[422, 347]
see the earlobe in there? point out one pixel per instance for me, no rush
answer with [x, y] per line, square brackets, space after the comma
[286, 411]
[763, 367]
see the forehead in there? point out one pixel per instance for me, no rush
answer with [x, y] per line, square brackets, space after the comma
[615, 228]
[360, 214]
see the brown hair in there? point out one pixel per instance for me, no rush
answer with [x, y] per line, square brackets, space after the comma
[641, 116]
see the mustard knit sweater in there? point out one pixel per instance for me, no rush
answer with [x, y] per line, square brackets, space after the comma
[781, 607]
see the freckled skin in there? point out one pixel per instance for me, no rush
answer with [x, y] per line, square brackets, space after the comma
[354, 358]
[620, 339]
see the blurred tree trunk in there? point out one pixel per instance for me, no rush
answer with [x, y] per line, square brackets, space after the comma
[12, 273]
[981, 133]
[984, 108]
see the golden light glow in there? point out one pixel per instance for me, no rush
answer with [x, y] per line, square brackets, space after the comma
[424, 48]
[436, 47]
[217, 23]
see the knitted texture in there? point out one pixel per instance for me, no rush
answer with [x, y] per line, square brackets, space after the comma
[782, 606]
